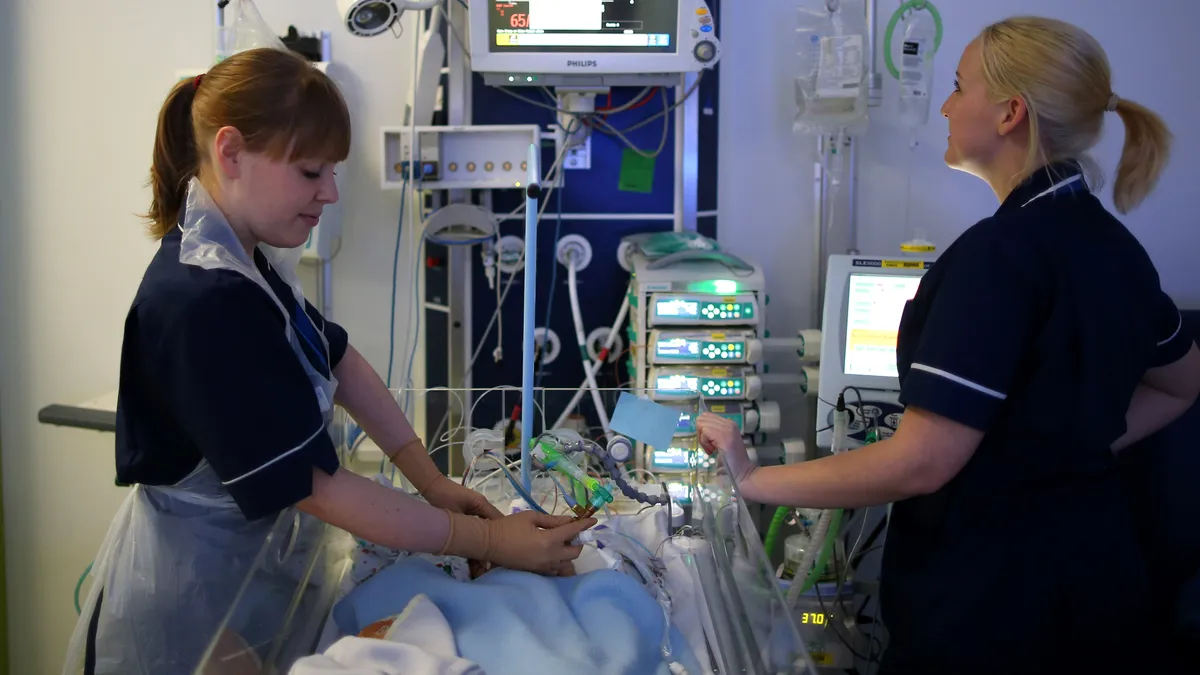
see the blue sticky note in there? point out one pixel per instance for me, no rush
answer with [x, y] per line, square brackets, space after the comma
[646, 421]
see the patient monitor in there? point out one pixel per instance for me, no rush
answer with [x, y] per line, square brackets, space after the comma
[591, 43]
[864, 301]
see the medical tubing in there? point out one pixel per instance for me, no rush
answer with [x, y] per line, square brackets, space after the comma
[395, 275]
[777, 522]
[79, 586]
[581, 339]
[823, 533]
[524, 493]
[532, 191]
[617, 476]
[595, 366]
[911, 5]
[835, 529]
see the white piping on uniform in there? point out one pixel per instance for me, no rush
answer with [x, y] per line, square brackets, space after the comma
[1054, 188]
[286, 454]
[1178, 328]
[959, 380]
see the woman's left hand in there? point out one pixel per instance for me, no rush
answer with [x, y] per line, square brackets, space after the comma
[446, 494]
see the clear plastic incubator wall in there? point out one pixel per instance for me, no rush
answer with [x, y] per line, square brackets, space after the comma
[668, 582]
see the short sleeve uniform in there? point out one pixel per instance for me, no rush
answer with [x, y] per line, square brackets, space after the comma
[207, 373]
[1035, 327]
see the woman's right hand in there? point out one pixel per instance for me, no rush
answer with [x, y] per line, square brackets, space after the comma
[721, 434]
[530, 541]
[536, 542]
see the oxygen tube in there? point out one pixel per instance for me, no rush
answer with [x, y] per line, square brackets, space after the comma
[829, 522]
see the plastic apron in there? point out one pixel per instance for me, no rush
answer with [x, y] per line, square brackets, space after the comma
[175, 556]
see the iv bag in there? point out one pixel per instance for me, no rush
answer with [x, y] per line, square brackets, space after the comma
[831, 88]
[916, 68]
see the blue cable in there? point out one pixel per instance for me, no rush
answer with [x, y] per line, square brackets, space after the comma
[412, 353]
[517, 486]
[395, 264]
[566, 495]
[553, 276]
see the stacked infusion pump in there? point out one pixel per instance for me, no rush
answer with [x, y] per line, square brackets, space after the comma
[696, 327]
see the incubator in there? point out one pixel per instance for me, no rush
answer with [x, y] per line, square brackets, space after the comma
[675, 572]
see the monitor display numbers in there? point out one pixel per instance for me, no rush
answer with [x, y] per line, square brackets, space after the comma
[517, 19]
[584, 26]
[815, 618]
[873, 311]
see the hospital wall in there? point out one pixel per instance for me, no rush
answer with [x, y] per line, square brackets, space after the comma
[79, 95]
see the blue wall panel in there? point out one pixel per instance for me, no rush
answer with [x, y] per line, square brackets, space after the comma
[602, 285]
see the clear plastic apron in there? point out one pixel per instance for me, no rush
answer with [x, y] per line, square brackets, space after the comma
[174, 557]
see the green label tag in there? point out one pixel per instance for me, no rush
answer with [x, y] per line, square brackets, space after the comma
[637, 173]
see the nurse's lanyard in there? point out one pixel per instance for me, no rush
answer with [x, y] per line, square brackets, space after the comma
[307, 331]
[1072, 185]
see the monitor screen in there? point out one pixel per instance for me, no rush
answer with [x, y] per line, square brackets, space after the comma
[583, 26]
[873, 311]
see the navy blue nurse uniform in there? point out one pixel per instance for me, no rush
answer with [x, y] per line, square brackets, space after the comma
[1034, 327]
[207, 373]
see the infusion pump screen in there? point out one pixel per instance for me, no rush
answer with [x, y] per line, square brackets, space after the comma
[873, 313]
[613, 26]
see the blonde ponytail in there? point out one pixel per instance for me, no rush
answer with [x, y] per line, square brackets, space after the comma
[1145, 155]
[1063, 75]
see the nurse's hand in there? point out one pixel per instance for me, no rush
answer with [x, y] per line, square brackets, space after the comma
[530, 541]
[446, 494]
[536, 542]
[720, 434]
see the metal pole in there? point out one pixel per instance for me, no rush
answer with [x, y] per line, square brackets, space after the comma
[818, 232]
[680, 122]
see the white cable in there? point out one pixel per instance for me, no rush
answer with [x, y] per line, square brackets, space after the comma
[580, 337]
[594, 366]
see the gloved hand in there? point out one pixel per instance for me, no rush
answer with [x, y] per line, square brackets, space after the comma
[446, 494]
[517, 541]
[719, 434]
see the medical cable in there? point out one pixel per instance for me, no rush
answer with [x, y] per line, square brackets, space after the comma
[567, 131]
[829, 521]
[395, 275]
[777, 521]
[663, 113]
[533, 504]
[833, 626]
[79, 586]
[614, 472]
[581, 340]
[495, 315]
[595, 366]
[620, 135]
[554, 107]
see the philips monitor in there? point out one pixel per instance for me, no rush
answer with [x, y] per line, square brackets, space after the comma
[591, 42]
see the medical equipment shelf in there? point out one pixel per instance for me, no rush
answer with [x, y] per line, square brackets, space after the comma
[282, 609]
